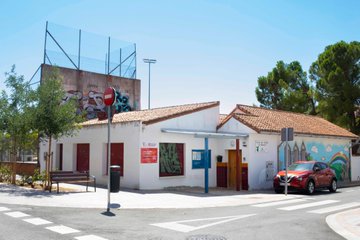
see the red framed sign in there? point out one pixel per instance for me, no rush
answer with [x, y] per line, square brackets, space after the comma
[149, 155]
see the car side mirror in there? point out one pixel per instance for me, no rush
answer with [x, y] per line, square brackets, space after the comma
[316, 169]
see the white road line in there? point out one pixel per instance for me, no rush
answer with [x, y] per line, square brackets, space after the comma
[17, 214]
[3, 209]
[271, 204]
[308, 205]
[90, 237]
[37, 221]
[180, 227]
[336, 208]
[62, 229]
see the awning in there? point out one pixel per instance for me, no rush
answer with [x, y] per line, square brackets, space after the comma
[205, 134]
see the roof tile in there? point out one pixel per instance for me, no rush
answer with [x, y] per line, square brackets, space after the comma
[268, 120]
[154, 115]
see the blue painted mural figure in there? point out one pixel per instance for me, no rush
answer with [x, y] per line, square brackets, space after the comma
[336, 156]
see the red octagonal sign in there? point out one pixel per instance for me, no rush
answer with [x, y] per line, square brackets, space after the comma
[109, 96]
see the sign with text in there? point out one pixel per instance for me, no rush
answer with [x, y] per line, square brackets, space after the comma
[198, 159]
[149, 155]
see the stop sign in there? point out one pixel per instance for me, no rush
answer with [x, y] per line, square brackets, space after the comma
[109, 96]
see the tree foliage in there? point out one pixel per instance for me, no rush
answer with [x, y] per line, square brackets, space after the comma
[286, 88]
[54, 118]
[336, 73]
[15, 116]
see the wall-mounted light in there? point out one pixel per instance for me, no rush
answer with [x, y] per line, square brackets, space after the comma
[244, 144]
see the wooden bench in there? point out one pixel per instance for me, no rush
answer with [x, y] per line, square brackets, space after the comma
[70, 176]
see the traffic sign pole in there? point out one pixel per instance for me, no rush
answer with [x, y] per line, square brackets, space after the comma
[109, 100]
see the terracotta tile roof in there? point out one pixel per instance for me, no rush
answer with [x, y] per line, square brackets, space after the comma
[268, 120]
[154, 115]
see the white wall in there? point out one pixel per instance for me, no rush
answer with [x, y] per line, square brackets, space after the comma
[355, 168]
[96, 136]
[205, 120]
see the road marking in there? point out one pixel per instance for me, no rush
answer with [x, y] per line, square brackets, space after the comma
[336, 208]
[62, 229]
[308, 205]
[3, 209]
[37, 221]
[271, 204]
[90, 237]
[178, 226]
[338, 226]
[17, 214]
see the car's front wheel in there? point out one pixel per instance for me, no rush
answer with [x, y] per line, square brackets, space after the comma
[310, 187]
[333, 186]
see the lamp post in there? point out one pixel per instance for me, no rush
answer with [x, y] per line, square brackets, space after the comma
[149, 61]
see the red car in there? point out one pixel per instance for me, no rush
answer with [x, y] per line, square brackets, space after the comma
[306, 176]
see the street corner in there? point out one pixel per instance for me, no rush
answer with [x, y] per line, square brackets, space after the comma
[346, 224]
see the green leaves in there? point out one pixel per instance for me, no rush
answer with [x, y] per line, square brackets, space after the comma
[336, 74]
[55, 118]
[286, 88]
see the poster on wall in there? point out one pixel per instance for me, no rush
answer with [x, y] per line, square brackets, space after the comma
[261, 146]
[198, 159]
[149, 155]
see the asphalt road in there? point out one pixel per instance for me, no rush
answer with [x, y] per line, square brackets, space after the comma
[264, 221]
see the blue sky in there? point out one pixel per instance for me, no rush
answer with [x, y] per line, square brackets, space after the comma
[205, 50]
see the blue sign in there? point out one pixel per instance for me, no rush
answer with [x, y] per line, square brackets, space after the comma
[198, 157]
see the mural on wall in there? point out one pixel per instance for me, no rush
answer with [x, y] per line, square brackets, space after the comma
[171, 159]
[88, 88]
[92, 102]
[336, 156]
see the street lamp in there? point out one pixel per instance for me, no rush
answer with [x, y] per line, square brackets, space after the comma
[149, 61]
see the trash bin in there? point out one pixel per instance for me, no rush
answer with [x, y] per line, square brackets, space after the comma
[114, 178]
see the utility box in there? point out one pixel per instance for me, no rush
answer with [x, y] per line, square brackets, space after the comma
[114, 178]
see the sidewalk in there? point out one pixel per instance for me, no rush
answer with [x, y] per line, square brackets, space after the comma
[346, 224]
[77, 197]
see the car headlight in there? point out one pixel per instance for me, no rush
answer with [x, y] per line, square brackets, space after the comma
[300, 178]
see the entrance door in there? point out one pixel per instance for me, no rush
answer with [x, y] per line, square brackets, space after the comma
[82, 157]
[244, 176]
[60, 166]
[232, 168]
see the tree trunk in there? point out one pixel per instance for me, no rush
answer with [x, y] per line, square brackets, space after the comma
[47, 170]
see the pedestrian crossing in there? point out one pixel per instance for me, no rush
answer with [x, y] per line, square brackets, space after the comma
[310, 204]
[60, 229]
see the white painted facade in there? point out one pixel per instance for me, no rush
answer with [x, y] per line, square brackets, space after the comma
[136, 135]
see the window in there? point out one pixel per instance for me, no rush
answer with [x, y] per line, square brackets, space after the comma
[171, 160]
[355, 149]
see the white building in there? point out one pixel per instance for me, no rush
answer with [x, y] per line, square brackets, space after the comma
[164, 147]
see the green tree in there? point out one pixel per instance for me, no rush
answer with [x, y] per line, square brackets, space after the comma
[53, 117]
[286, 88]
[15, 116]
[336, 73]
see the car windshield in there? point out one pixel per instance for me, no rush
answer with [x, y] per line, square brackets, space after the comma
[301, 166]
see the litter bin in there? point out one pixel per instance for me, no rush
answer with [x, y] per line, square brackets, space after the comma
[114, 178]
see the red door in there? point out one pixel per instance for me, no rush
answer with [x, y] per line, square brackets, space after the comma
[244, 177]
[83, 157]
[117, 156]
